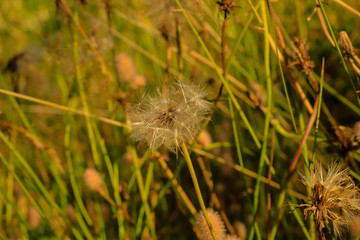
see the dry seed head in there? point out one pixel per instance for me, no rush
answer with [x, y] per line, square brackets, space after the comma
[346, 138]
[345, 44]
[335, 199]
[125, 67]
[232, 237]
[92, 179]
[226, 6]
[169, 117]
[216, 222]
[355, 228]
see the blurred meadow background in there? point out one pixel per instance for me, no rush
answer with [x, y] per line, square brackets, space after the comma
[283, 77]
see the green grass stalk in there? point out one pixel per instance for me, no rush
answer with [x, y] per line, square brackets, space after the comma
[197, 188]
[140, 182]
[267, 114]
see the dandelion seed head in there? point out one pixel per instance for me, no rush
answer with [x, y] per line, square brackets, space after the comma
[216, 223]
[169, 117]
[335, 199]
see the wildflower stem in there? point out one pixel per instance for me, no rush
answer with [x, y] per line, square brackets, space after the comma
[197, 188]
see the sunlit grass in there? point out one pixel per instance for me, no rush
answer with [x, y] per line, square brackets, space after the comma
[73, 72]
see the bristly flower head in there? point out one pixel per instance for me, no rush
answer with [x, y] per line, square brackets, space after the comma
[170, 117]
[335, 199]
[216, 222]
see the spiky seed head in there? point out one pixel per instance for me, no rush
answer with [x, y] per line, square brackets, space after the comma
[232, 237]
[216, 222]
[169, 117]
[125, 67]
[335, 199]
[355, 228]
[92, 179]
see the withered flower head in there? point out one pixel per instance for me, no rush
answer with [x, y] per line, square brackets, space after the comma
[170, 117]
[302, 61]
[335, 199]
[226, 6]
[346, 45]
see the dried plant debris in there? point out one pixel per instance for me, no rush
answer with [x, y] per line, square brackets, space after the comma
[300, 57]
[335, 199]
[346, 45]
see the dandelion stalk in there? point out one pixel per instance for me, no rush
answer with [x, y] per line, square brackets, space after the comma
[196, 186]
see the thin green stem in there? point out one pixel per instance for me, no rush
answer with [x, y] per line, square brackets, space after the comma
[73, 182]
[197, 188]
[226, 85]
[267, 115]
[32, 174]
[318, 112]
[338, 50]
[119, 213]
[141, 186]
[79, 80]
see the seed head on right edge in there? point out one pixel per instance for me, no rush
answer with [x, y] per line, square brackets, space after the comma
[335, 199]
